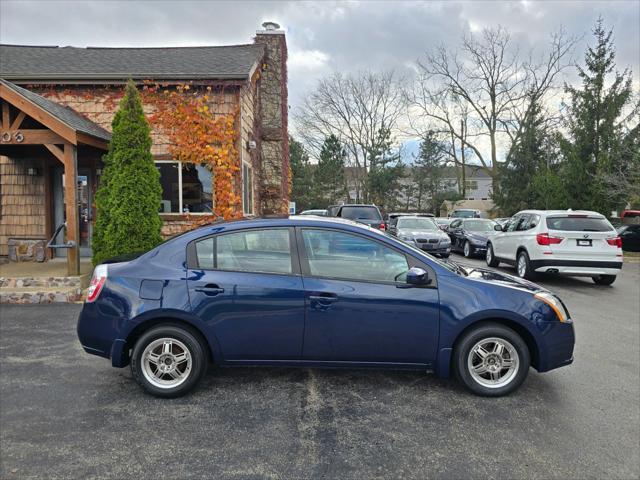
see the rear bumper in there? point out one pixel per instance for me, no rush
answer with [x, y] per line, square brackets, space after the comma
[576, 267]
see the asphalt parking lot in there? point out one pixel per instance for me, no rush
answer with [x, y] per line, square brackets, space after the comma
[65, 414]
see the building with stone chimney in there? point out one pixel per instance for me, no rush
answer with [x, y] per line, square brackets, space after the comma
[57, 108]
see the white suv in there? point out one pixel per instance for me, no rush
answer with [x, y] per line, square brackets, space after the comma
[566, 242]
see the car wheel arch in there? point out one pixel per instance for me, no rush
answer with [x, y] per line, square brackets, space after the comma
[517, 327]
[145, 324]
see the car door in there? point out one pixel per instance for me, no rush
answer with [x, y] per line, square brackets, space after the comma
[456, 234]
[504, 244]
[358, 307]
[246, 286]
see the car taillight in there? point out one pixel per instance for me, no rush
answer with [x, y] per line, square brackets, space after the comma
[546, 239]
[97, 282]
[382, 226]
[615, 242]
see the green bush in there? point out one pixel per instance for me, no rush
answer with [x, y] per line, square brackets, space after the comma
[128, 199]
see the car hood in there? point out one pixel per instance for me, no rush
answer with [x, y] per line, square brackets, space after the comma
[423, 233]
[503, 279]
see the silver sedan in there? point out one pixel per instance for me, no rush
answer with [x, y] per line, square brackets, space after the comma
[424, 233]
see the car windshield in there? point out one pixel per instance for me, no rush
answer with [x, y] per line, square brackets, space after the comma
[416, 223]
[479, 225]
[362, 213]
[579, 224]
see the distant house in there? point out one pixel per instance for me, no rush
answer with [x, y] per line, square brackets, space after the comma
[56, 120]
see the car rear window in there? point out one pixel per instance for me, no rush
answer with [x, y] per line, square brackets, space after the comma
[361, 213]
[578, 224]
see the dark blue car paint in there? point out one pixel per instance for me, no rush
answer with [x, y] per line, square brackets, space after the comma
[371, 324]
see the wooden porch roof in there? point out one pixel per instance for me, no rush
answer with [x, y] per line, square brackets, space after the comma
[69, 125]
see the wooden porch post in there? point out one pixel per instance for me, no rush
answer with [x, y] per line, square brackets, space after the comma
[71, 206]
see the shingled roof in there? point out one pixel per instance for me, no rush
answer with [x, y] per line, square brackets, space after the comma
[64, 114]
[177, 63]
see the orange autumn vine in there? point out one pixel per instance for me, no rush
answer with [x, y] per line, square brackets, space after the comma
[198, 135]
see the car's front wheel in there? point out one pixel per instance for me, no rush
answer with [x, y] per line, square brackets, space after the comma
[491, 360]
[168, 361]
[604, 279]
[492, 261]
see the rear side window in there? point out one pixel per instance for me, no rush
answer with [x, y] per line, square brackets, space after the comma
[578, 224]
[360, 213]
[261, 251]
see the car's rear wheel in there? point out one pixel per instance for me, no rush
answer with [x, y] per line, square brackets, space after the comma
[492, 261]
[445, 255]
[523, 266]
[168, 361]
[467, 250]
[604, 279]
[491, 360]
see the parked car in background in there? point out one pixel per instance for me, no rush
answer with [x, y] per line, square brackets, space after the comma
[392, 218]
[423, 233]
[317, 212]
[310, 291]
[566, 242]
[630, 216]
[443, 222]
[367, 214]
[466, 213]
[470, 235]
[332, 210]
[630, 236]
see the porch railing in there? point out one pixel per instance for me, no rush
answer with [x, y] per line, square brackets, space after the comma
[68, 244]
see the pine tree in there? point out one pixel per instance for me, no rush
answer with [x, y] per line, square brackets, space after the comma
[329, 181]
[385, 171]
[128, 199]
[302, 189]
[530, 180]
[594, 148]
[430, 173]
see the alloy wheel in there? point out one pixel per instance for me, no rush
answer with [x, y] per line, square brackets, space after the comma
[522, 266]
[166, 363]
[493, 362]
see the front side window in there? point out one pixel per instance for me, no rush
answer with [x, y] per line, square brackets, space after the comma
[260, 251]
[186, 187]
[352, 257]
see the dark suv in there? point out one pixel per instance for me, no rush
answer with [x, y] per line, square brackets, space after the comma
[367, 214]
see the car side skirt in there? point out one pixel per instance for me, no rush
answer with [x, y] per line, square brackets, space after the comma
[330, 364]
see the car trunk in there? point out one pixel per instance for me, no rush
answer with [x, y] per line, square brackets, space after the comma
[584, 237]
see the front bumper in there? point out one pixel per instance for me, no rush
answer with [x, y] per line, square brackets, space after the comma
[557, 348]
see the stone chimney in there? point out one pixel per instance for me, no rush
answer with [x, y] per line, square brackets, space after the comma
[273, 120]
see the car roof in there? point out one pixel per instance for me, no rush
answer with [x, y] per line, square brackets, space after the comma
[562, 212]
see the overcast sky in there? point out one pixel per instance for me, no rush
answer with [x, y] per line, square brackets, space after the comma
[322, 36]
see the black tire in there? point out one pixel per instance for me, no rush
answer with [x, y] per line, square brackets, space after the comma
[491, 257]
[528, 273]
[604, 279]
[198, 356]
[486, 331]
[468, 253]
[445, 255]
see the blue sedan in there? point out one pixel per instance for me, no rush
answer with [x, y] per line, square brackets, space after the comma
[314, 292]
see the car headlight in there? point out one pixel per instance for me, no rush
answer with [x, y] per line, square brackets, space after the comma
[406, 238]
[555, 304]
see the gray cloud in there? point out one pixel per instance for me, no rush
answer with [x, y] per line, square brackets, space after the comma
[322, 36]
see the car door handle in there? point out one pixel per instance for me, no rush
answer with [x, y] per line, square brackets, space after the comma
[210, 289]
[322, 301]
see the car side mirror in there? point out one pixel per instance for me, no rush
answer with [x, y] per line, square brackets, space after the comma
[418, 276]
[497, 228]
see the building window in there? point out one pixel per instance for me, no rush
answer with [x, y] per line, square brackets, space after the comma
[247, 189]
[186, 187]
[472, 185]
